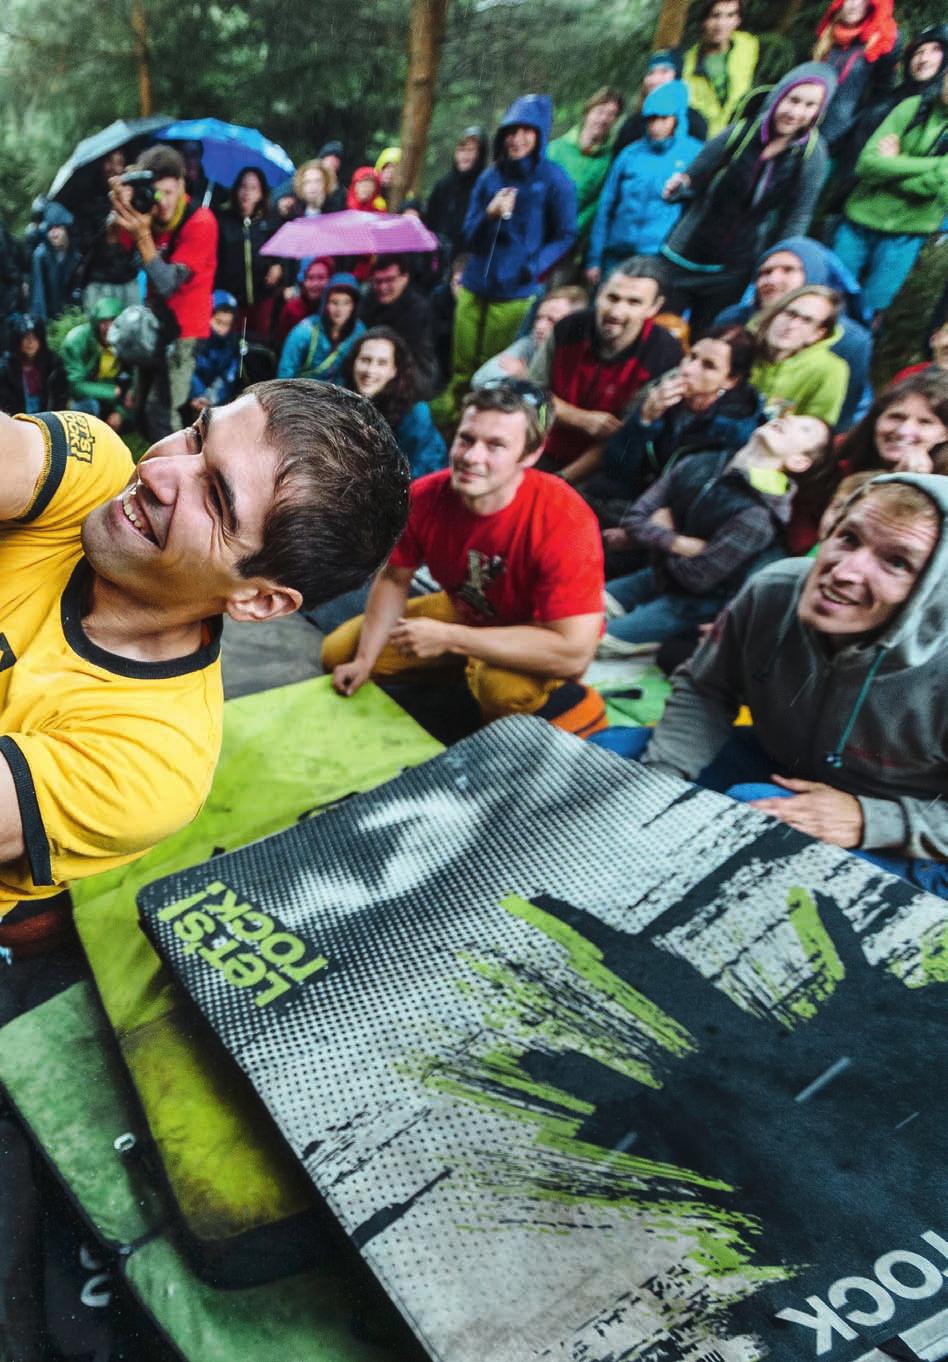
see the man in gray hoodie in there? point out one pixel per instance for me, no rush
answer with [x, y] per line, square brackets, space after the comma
[843, 661]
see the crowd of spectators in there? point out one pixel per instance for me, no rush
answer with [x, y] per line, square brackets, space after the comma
[640, 356]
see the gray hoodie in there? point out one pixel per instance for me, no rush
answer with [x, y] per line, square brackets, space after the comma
[870, 719]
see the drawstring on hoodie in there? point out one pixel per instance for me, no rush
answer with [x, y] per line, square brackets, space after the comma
[835, 758]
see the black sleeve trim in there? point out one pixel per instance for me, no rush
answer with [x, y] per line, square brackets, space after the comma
[34, 834]
[57, 465]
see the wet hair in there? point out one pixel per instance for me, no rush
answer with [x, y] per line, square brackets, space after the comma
[606, 94]
[859, 447]
[382, 262]
[742, 347]
[767, 314]
[341, 498]
[400, 393]
[642, 267]
[705, 11]
[164, 163]
[263, 207]
[508, 397]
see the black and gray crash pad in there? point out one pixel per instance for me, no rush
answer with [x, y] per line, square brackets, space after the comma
[62, 1073]
[245, 1207]
[591, 1064]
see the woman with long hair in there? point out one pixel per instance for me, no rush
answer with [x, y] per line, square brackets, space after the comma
[379, 366]
[317, 346]
[244, 224]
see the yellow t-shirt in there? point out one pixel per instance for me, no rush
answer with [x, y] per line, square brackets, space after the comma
[109, 755]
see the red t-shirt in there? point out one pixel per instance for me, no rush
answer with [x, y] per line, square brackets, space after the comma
[539, 559]
[196, 248]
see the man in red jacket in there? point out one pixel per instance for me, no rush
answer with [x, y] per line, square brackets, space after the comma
[177, 244]
[596, 361]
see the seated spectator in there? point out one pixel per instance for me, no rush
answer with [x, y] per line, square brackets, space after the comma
[751, 185]
[517, 358]
[826, 652]
[901, 196]
[901, 433]
[313, 182]
[860, 41]
[596, 360]
[923, 65]
[790, 264]
[902, 429]
[450, 196]
[585, 151]
[244, 225]
[663, 66]
[55, 273]
[316, 346]
[393, 301]
[312, 278]
[719, 69]
[97, 384]
[518, 557]
[709, 523]
[937, 345]
[217, 356]
[363, 193]
[32, 377]
[385, 168]
[707, 402]
[379, 366]
[796, 369]
[632, 217]
[520, 222]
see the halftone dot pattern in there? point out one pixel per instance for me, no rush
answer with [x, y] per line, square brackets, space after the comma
[367, 1064]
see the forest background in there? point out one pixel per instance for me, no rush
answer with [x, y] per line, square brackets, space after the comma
[304, 72]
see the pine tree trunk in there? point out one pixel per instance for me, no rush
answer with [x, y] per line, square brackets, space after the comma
[140, 29]
[425, 34]
[670, 28]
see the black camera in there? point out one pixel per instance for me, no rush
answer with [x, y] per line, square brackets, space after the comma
[142, 183]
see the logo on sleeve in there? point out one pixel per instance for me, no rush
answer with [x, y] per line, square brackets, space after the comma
[80, 441]
[7, 655]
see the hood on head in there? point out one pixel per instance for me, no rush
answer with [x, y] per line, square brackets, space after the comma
[935, 33]
[669, 99]
[529, 111]
[55, 215]
[820, 266]
[920, 627]
[389, 156]
[877, 32]
[807, 73]
[106, 310]
[308, 260]
[666, 56]
[341, 283]
[365, 173]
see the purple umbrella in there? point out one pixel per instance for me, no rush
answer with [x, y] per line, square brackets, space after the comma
[350, 233]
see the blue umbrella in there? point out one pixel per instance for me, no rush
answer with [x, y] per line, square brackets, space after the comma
[227, 148]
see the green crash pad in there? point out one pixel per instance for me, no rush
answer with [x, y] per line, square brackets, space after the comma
[627, 709]
[287, 753]
[61, 1070]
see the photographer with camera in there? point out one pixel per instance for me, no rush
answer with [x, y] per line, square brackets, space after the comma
[176, 241]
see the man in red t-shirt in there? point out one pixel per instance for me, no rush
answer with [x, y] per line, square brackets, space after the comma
[177, 244]
[519, 558]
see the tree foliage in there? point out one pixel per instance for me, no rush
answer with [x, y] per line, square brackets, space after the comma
[305, 73]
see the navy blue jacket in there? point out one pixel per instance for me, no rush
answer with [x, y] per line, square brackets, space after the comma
[508, 257]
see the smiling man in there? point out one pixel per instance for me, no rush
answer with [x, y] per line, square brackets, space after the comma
[843, 661]
[596, 361]
[519, 559]
[113, 584]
